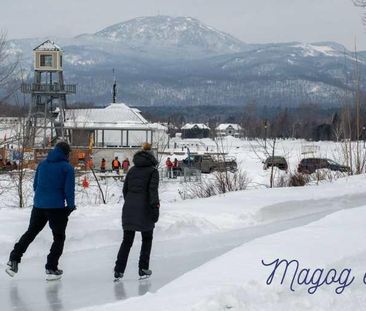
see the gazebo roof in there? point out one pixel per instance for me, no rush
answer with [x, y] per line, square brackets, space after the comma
[118, 116]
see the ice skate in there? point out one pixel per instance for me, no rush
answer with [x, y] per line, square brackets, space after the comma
[53, 275]
[144, 274]
[118, 276]
[12, 268]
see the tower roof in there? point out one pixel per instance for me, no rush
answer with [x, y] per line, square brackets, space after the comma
[48, 45]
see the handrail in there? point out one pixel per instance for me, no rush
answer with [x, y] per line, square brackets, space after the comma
[48, 88]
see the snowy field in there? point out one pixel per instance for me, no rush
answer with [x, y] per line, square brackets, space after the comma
[207, 252]
[249, 154]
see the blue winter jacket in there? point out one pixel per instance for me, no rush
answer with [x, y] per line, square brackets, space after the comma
[54, 182]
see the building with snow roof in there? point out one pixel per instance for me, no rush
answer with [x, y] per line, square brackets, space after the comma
[116, 130]
[228, 129]
[195, 130]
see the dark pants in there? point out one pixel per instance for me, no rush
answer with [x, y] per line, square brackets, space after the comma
[124, 251]
[57, 220]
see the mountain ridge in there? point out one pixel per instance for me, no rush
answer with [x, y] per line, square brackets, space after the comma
[167, 32]
[166, 60]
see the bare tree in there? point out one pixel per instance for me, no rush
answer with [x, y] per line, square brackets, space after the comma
[361, 4]
[272, 166]
[350, 124]
[357, 73]
[19, 175]
[7, 66]
[18, 161]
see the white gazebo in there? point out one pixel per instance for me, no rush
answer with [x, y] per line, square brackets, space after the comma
[114, 131]
[115, 126]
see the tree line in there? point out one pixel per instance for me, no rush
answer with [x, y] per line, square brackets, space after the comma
[307, 121]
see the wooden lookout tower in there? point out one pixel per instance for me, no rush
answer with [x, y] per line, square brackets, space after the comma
[47, 110]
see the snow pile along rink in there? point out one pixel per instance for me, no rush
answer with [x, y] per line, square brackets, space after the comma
[238, 279]
[241, 209]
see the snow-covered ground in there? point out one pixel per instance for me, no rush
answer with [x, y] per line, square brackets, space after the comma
[194, 263]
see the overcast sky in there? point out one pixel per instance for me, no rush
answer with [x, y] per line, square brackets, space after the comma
[253, 21]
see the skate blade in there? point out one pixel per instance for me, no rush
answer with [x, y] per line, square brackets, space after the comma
[145, 277]
[116, 280]
[52, 277]
[10, 272]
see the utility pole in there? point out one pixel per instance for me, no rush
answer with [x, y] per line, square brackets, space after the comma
[114, 88]
[265, 123]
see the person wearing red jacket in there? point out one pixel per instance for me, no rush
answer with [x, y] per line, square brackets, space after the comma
[169, 166]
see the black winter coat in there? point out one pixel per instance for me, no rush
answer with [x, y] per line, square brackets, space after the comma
[140, 191]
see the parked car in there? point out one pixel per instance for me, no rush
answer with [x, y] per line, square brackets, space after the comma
[275, 161]
[310, 165]
[207, 163]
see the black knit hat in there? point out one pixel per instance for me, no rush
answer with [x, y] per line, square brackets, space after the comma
[64, 146]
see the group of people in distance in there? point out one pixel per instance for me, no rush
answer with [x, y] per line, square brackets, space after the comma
[54, 201]
[7, 165]
[172, 167]
[116, 165]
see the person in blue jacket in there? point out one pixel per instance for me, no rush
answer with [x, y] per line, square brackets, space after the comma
[54, 185]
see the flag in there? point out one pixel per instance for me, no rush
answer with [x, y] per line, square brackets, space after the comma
[85, 183]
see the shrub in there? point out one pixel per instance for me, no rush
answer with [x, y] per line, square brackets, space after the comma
[221, 182]
[293, 179]
[298, 180]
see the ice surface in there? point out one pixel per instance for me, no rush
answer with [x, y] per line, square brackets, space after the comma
[88, 278]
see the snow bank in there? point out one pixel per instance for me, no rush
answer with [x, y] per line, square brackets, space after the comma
[94, 226]
[252, 207]
[237, 280]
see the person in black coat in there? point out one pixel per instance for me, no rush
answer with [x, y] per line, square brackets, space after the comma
[140, 210]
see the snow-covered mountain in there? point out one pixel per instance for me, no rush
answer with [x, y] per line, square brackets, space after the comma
[166, 60]
[165, 32]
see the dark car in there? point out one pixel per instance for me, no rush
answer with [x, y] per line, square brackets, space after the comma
[207, 163]
[275, 161]
[310, 165]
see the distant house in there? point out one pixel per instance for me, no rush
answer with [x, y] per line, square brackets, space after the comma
[195, 130]
[228, 129]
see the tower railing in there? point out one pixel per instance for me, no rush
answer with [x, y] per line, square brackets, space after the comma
[48, 88]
